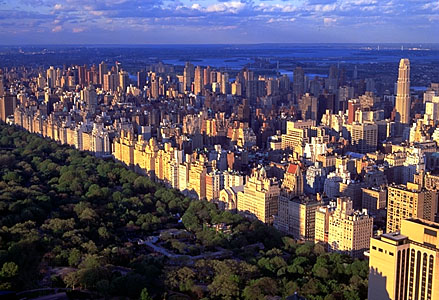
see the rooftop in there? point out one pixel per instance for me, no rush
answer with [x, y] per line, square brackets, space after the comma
[395, 236]
[425, 223]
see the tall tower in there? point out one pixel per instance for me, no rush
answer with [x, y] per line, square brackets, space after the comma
[403, 93]
[298, 82]
[188, 76]
[103, 70]
[198, 81]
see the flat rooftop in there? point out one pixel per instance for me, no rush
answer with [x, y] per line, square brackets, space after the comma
[425, 223]
[394, 236]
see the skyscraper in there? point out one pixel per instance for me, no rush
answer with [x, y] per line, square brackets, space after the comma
[7, 105]
[188, 76]
[198, 81]
[103, 70]
[298, 82]
[51, 77]
[141, 79]
[402, 103]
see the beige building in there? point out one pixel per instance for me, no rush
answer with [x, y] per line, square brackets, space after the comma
[214, 184]
[296, 216]
[374, 199]
[404, 265]
[402, 102]
[364, 136]
[349, 231]
[260, 197]
[228, 198]
[322, 223]
[410, 201]
[297, 134]
[293, 180]
[197, 178]
[123, 148]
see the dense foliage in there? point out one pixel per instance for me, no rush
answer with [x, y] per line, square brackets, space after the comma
[68, 219]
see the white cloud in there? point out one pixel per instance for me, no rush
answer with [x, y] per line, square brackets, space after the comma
[78, 29]
[231, 7]
[276, 8]
[196, 6]
[431, 6]
[329, 21]
[325, 8]
[57, 28]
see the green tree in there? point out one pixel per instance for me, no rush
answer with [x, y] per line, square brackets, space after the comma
[144, 295]
[9, 270]
[261, 288]
[74, 257]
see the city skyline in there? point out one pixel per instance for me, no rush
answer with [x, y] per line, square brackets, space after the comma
[216, 22]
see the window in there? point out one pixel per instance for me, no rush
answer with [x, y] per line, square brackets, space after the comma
[430, 232]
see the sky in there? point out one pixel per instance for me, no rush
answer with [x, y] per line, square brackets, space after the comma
[217, 21]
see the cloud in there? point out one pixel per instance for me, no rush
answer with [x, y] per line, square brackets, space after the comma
[57, 28]
[78, 29]
[231, 7]
[356, 18]
[329, 21]
[433, 6]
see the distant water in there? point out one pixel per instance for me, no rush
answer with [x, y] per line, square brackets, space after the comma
[237, 56]
[222, 56]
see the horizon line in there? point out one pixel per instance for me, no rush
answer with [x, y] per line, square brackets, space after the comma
[222, 44]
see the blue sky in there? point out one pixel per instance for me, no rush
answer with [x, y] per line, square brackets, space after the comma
[217, 21]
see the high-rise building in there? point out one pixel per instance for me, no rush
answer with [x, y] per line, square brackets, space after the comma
[123, 80]
[2, 87]
[296, 216]
[206, 75]
[103, 70]
[82, 78]
[331, 83]
[404, 265]
[364, 137]
[141, 79]
[410, 201]
[349, 231]
[298, 82]
[123, 148]
[109, 83]
[321, 222]
[374, 199]
[155, 86]
[353, 106]
[214, 184]
[225, 84]
[402, 104]
[293, 180]
[198, 80]
[7, 106]
[260, 198]
[307, 105]
[51, 77]
[188, 76]
[90, 97]
[197, 178]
